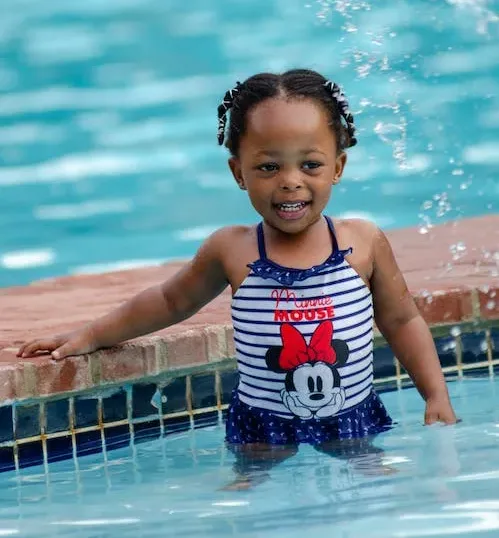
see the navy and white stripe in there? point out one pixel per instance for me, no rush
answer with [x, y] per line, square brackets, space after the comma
[256, 329]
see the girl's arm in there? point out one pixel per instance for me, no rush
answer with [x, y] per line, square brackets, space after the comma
[197, 283]
[400, 322]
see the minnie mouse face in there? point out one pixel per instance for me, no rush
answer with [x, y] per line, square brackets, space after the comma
[312, 384]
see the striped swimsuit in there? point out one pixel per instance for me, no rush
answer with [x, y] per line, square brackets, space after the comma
[304, 349]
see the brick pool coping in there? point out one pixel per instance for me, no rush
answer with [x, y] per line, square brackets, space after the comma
[447, 291]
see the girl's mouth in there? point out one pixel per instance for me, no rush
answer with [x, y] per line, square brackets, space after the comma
[291, 210]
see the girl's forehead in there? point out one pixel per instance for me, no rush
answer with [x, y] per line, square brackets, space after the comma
[288, 120]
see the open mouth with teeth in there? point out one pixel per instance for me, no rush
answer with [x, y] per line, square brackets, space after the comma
[290, 211]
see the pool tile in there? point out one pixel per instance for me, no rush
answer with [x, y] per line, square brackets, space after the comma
[60, 448]
[7, 459]
[27, 421]
[229, 380]
[6, 424]
[175, 396]
[176, 424]
[114, 407]
[384, 364]
[209, 418]
[479, 371]
[30, 454]
[446, 349]
[117, 436]
[85, 410]
[57, 416]
[386, 386]
[474, 347]
[88, 443]
[142, 394]
[146, 431]
[203, 391]
[494, 337]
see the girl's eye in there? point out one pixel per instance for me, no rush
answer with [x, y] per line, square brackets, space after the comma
[268, 167]
[311, 165]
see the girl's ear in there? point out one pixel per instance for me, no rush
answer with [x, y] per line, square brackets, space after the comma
[341, 161]
[235, 168]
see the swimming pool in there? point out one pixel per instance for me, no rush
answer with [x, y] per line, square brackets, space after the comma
[108, 154]
[425, 481]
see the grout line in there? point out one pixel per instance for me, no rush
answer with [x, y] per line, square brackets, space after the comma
[459, 355]
[490, 352]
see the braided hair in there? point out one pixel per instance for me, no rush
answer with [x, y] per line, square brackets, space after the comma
[300, 83]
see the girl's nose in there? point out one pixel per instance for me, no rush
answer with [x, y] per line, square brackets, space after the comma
[291, 182]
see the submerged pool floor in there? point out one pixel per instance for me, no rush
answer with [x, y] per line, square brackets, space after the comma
[425, 481]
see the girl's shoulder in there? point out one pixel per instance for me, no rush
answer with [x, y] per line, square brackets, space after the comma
[356, 231]
[362, 236]
[230, 241]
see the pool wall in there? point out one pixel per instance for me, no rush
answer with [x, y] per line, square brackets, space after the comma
[182, 377]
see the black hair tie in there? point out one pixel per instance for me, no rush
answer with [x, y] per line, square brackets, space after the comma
[226, 104]
[342, 103]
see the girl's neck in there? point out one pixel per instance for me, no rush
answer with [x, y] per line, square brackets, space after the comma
[303, 250]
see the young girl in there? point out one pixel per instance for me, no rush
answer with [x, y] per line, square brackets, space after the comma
[305, 287]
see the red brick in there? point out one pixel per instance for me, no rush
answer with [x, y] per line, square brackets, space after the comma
[127, 361]
[450, 306]
[7, 382]
[216, 342]
[488, 297]
[231, 345]
[61, 376]
[186, 349]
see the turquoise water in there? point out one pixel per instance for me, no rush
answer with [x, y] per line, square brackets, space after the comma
[108, 153]
[428, 481]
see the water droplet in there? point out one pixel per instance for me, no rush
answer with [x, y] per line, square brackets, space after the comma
[455, 332]
[423, 230]
[428, 204]
[491, 305]
[458, 172]
[458, 250]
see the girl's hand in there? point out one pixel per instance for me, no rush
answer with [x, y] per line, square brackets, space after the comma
[60, 346]
[439, 409]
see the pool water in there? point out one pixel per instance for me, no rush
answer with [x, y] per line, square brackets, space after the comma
[426, 481]
[108, 152]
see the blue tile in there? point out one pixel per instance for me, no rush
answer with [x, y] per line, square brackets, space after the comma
[387, 386]
[114, 407]
[229, 380]
[60, 448]
[142, 395]
[117, 437]
[175, 396]
[57, 416]
[85, 410]
[27, 421]
[30, 454]
[476, 372]
[474, 347]
[446, 349]
[88, 443]
[384, 365]
[6, 424]
[7, 459]
[203, 391]
[202, 420]
[494, 336]
[176, 424]
[146, 431]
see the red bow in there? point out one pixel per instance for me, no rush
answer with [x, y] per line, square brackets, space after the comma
[296, 352]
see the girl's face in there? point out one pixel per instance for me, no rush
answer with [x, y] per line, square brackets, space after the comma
[288, 162]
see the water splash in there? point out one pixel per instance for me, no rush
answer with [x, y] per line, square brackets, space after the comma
[458, 250]
[480, 9]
